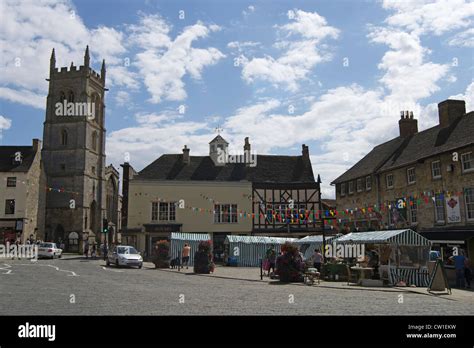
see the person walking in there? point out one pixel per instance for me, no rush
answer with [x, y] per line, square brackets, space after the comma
[86, 249]
[105, 251]
[467, 273]
[459, 266]
[185, 255]
[271, 257]
[317, 259]
[93, 252]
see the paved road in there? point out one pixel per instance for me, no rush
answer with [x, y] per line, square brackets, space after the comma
[77, 286]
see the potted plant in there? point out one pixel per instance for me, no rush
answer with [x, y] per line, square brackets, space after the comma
[203, 258]
[289, 266]
[161, 254]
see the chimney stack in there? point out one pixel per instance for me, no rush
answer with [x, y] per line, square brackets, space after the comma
[407, 124]
[305, 151]
[186, 158]
[36, 145]
[450, 110]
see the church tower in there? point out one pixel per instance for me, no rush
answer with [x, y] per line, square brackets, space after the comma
[74, 153]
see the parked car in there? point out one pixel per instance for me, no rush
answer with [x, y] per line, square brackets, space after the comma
[124, 255]
[49, 250]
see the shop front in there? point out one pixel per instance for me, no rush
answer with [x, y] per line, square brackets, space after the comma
[10, 230]
[156, 232]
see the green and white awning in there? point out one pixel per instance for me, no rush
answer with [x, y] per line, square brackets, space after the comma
[400, 237]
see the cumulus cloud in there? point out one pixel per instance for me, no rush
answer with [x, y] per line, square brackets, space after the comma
[28, 32]
[463, 39]
[301, 52]
[164, 62]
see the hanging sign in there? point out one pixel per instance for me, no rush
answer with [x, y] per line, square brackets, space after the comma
[452, 209]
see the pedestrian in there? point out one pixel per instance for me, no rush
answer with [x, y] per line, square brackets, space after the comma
[62, 246]
[271, 257]
[86, 249]
[105, 251]
[185, 255]
[459, 266]
[93, 253]
[467, 273]
[317, 259]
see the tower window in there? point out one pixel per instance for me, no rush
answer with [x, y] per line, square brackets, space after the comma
[70, 97]
[94, 141]
[62, 96]
[64, 137]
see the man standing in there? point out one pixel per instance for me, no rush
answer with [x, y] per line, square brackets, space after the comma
[185, 255]
[459, 265]
[317, 259]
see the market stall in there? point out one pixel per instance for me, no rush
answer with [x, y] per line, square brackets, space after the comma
[308, 244]
[246, 251]
[403, 255]
[178, 240]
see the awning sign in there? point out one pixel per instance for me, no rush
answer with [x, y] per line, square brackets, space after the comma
[452, 209]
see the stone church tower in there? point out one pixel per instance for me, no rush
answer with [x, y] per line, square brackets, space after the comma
[74, 153]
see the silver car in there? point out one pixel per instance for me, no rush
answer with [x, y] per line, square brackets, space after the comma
[124, 255]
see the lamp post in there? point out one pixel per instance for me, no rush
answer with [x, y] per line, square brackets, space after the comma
[322, 220]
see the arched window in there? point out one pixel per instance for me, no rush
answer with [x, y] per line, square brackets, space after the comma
[70, 97]
[62, 96]
[94, 141]
[64, 137]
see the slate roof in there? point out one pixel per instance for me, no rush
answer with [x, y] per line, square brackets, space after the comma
[434, 141]
[285, 169]
[372, 161]
[7, 154]
[400, 151]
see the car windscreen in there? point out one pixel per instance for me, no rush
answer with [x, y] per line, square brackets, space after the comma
[127, 250]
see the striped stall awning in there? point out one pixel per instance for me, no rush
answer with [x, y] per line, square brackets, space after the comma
[418, 277]
[400, 237]
[316, 239]
[248, 250]
[178, 239]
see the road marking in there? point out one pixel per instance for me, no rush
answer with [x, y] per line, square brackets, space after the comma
[112, 270]
[73, 274]
[9, 271]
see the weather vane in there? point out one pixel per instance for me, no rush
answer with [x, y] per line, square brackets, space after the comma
[218, 129]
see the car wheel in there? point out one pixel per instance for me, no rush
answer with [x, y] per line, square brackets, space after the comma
[140, 266]
[60, 255]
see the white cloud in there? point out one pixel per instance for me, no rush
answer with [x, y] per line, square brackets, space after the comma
[301, 52]
[250, 9]
[408, 75]
[28, 32]
[5, 123]
[23, 96]
[164, 62]
[430, 16]
[463, 39]
[122, 98]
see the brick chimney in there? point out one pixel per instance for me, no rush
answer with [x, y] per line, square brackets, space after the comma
[305, 152]
[407, 124]
[186, 158]
[449, 110]
[36, 145]
[247, 152]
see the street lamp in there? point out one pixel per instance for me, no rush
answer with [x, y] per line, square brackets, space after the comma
[322, 220]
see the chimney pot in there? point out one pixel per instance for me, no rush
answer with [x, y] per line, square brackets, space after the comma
[450, 110]
[186, 158]
[408, 125]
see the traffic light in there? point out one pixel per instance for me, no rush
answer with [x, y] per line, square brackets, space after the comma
[105, 226]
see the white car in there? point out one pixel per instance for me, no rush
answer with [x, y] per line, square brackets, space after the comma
[49, 250]
[124, 255]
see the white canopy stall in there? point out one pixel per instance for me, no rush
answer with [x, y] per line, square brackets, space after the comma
[403, 254]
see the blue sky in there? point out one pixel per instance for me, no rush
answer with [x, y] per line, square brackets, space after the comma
[331, 74]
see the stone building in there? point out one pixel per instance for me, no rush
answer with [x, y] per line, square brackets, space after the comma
[421, 180]
[74, 153]
[202, 194]
[22, 182]
[113, 204]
